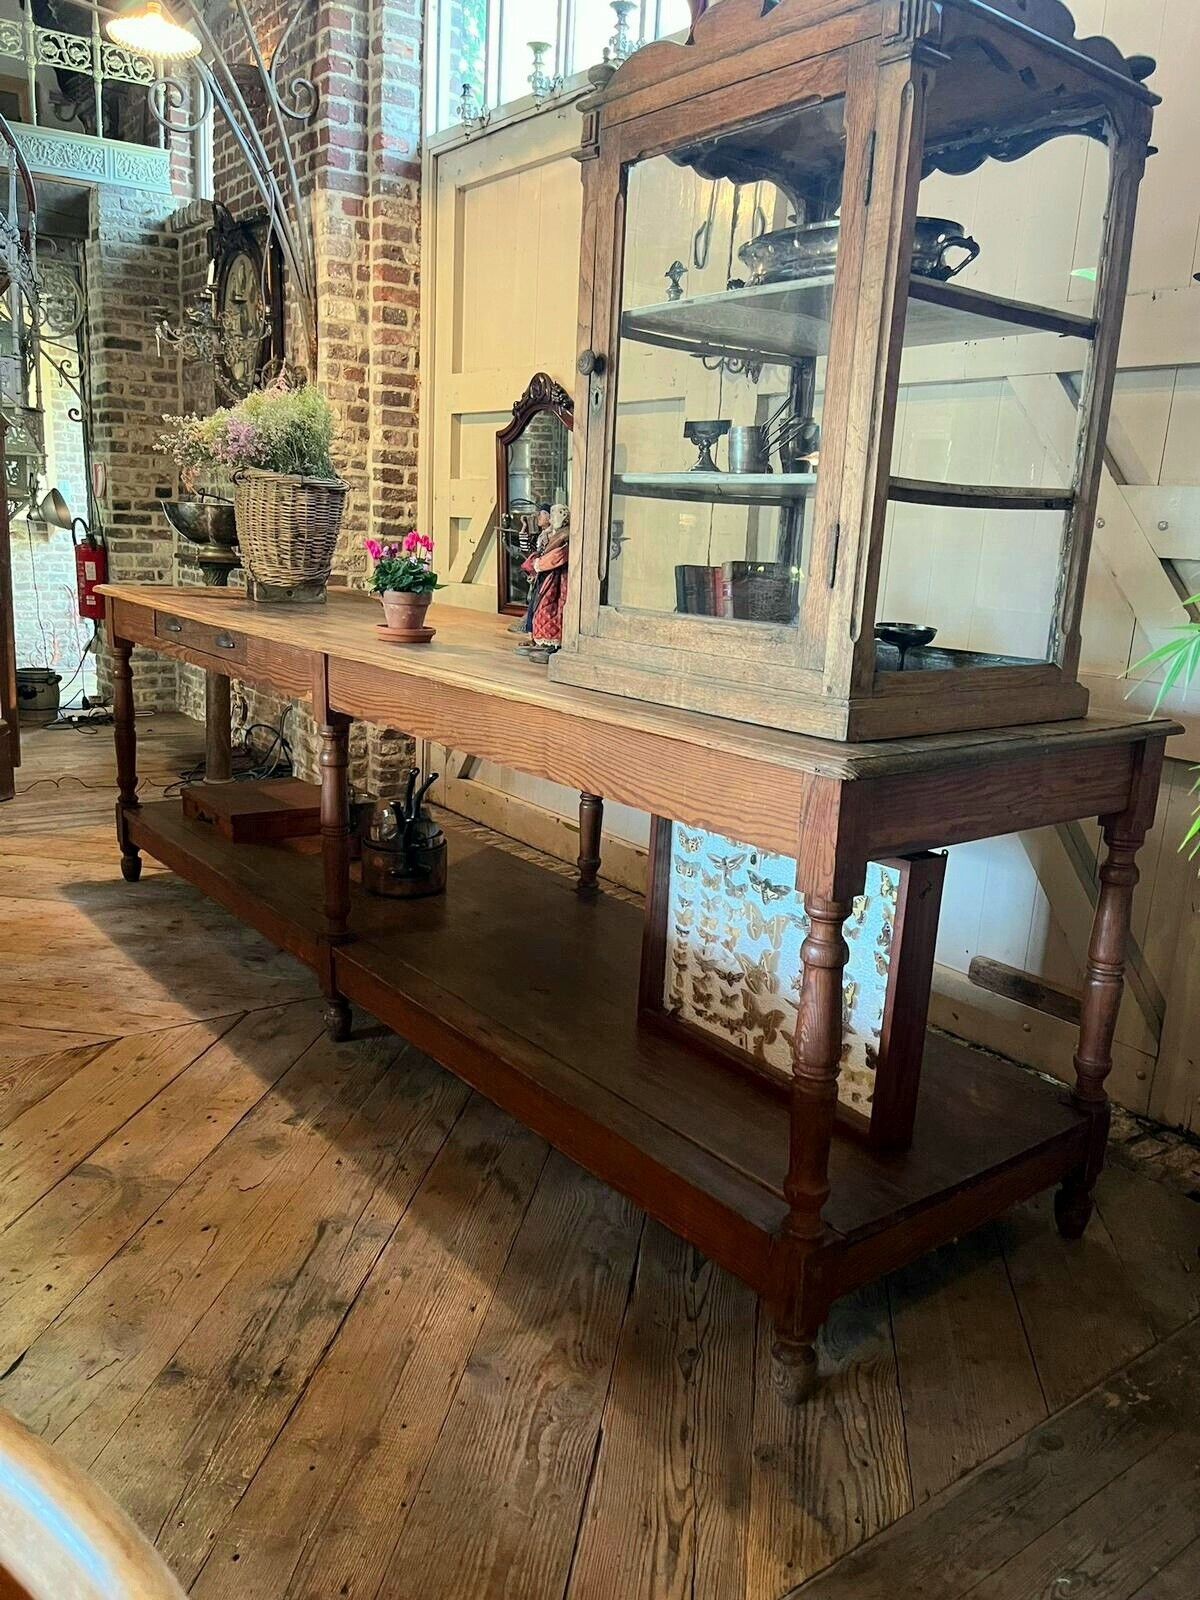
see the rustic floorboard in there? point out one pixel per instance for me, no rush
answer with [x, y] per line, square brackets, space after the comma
[1088, 1503]
[667, 1514]
[1083, 1316]
[326, 1507]
[329, 1325]
[1156, 1234]
[967, 1375]
[832, 1472]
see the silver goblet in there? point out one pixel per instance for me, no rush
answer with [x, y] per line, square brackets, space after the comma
[704, 435]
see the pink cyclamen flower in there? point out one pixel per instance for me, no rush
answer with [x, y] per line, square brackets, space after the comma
[374, 549]
[412, 542]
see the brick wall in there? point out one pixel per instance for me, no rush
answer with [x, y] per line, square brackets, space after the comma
[49, 630]
[359, 165]
[132, 276]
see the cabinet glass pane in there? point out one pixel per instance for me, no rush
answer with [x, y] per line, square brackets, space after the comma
[997, 340]
[726, 295]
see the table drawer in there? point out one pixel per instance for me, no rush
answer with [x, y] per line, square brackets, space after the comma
[214, 641]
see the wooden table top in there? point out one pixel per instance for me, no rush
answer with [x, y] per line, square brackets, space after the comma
[473, 650]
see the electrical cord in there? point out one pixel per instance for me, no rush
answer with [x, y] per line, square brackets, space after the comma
[63, 687]
[250, 766]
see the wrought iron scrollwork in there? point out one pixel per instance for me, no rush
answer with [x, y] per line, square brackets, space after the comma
[60, 306]
[299, 99]
[169, 95]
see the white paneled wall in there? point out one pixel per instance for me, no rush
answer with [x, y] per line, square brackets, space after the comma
[501, 270]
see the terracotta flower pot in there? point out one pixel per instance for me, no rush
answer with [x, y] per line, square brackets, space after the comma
[404, 613]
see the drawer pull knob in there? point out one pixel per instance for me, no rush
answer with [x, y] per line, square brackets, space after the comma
[225, 641]
[172, 626]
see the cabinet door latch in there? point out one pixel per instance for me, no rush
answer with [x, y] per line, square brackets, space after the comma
[831, 577]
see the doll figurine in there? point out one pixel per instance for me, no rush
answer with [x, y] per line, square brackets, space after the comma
[547, 570]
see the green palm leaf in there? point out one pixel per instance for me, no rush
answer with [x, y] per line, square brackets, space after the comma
[1183, 654]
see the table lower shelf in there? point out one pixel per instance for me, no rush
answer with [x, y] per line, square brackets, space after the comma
[529, 993]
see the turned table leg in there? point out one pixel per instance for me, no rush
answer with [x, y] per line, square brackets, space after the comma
[125, 737]
[1102, 988]
[218, 733]
[818, 1054]
[333, 761]
[591, 821]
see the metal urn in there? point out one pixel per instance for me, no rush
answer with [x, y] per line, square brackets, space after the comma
[403, 847]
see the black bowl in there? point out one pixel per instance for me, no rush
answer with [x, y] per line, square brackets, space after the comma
[905, 636]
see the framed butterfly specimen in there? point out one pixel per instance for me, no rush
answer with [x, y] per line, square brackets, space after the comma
[733, 974]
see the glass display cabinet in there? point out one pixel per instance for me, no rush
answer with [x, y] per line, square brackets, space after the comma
[824, 243]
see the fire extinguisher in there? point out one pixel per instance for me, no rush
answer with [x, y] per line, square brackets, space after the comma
[91, 570]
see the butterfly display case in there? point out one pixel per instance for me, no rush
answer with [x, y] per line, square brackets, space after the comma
[721, 962]
[820, 240]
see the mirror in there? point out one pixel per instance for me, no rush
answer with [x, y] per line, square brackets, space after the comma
[533, 471]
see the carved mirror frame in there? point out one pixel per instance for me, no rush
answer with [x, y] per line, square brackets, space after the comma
[542, 395]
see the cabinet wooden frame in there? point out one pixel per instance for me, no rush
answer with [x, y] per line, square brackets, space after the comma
[906, 1004]
[910, 99]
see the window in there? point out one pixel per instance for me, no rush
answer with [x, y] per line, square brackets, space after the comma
[485, 43]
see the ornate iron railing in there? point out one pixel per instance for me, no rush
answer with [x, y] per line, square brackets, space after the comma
[83, 62]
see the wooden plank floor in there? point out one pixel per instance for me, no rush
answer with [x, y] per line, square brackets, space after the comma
[329, 1325]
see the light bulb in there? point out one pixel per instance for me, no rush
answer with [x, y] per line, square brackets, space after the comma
[147, 30]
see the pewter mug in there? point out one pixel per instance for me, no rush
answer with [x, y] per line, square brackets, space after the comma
[749, 450]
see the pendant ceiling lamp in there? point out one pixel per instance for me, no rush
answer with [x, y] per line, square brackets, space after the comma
[146, 28]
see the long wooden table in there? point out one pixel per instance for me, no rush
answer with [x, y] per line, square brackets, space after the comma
[766, 1187]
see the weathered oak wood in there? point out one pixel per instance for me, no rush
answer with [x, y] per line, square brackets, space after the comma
[92, 1211]
[126, 744]
[314, 1509]
[967, 1374]
[676, 1449]
[531, 1378]
[591, 824]
[705, 1483]
[766, 1191]
[971, 1531]
[218, 751]
[845, 108]
[202, 1427]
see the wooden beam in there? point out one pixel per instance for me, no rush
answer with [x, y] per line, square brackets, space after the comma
[1014, 1030]
[1064, 869]
[472, 544]
[1117, 538]
[1024, 987]
[1169, 516]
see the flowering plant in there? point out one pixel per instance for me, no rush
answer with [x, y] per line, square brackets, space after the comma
[404, 568]
[277, 429]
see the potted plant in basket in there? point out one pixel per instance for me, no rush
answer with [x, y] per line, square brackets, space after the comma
[405, 581]
[288, 501]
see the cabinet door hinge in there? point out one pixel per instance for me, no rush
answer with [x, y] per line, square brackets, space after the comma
[869, 174]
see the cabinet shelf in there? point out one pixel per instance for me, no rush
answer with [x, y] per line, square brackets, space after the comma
[718, 488]
[978, 496]
[790, 321]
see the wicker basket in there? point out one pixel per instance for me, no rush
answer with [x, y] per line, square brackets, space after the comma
[287, 526]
